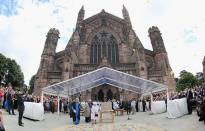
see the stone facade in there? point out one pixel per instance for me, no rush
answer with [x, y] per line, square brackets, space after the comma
[104, 37]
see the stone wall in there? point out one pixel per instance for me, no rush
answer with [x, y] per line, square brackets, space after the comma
[152, 65]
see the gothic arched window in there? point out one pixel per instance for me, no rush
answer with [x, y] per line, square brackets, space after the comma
[104, 45]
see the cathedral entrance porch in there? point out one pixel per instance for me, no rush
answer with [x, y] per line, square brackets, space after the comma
[104, 93]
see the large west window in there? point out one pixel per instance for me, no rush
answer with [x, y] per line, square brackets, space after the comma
[104, 45]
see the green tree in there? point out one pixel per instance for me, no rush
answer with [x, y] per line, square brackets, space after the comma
[31, 84]
[3, 69]
[200, 77]
[186, 80]
[182, 73]
[10, 72]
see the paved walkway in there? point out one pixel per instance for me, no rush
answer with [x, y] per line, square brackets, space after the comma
[139, 122]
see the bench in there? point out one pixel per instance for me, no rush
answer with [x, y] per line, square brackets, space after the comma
[119, 112]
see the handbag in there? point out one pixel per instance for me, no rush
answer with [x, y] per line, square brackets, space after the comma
[96, 115]
[6, 105]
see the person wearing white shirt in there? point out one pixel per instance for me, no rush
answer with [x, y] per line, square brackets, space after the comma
[133, 106]
[94, 112]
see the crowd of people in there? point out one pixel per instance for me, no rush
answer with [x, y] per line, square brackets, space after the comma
[10, 100]
[91, 109]
[195, 99]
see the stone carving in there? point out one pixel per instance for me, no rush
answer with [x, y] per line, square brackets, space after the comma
[156, 40]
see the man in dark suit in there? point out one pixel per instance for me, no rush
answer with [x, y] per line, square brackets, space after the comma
[21, 108]
[143, 104]
[202, 114]
[189, 101]
[60, 105]
[136, 106]
[128, 107]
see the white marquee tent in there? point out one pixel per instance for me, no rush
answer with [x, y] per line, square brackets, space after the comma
[102, 76]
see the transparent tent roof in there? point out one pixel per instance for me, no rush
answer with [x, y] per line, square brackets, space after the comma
[102, 76]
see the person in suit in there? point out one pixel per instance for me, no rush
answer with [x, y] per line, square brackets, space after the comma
[60, 105]
[189, 101]
[137, 106]
[202, 114]
[52, 107]
[128, 107]
[143, 104]
[21, 108]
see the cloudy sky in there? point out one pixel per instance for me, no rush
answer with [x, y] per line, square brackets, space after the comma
[24, 24]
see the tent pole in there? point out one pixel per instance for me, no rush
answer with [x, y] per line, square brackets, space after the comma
[42, 94]
[167, 98]
[151, 100]
[167, 94]
[58, 105]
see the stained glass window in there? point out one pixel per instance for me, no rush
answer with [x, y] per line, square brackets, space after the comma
[104, 45]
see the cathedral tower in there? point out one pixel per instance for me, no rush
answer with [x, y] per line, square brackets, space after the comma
[161, 58]
[126, 16]
[47, 59]
[80, 18]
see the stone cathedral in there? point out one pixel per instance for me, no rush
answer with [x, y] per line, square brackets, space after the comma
[104, 40]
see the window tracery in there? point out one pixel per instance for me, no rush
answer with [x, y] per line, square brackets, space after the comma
[104, 45]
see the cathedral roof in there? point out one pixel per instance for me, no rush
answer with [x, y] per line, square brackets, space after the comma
[103, 13]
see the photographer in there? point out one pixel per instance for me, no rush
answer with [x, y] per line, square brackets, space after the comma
[21, 107]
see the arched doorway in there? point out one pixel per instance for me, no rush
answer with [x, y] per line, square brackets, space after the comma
[109, 95]
[101, 96]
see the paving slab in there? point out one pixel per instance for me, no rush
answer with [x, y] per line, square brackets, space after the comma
[140, 121]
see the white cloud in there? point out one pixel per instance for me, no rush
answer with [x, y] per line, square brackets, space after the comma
[22, 36]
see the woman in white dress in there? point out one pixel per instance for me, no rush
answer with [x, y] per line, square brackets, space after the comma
[133, 106]
[94, 112]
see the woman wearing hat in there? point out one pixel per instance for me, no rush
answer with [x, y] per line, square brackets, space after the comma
[94, 112]
[87, 112]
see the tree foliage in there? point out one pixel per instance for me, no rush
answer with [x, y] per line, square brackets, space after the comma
[186, 80]
[10, 72]
[31, 84]
[182, 73]
[200, 77]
